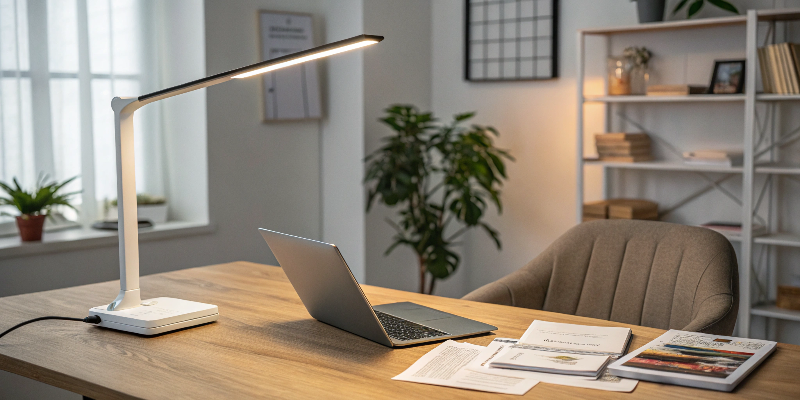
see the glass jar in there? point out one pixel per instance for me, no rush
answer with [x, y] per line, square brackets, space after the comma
[619, 76]
[639, 78]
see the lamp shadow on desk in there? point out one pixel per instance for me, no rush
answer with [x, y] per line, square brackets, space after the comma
[323, 340]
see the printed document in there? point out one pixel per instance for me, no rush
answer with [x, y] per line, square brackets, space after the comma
[444, 366]
[569, 338]
[551, 362]
[606, 381]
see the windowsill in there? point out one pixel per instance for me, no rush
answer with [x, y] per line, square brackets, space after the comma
[85, 238]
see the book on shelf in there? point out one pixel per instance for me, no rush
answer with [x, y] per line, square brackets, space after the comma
[780, 68]
[724, 158]
[694, 359]
[623, 147]
[675, 90]
[733, 228]
[620, 209]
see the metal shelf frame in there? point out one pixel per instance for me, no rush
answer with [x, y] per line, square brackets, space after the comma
[758, 147]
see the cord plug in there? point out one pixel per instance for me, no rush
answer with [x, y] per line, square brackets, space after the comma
[92, 319]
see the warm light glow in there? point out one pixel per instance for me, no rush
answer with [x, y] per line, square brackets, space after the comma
[307, 58]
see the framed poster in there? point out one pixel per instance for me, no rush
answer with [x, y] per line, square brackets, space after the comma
[511, 40]
[290, 93]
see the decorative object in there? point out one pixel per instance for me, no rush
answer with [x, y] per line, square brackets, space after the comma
[511, 40]
[291, 93]
[650, 10]
[639, 75]
[442, 177]
[124, 312]
[697, 5]
[728, 77]
[148, 208]
[35, 206]
[619, 76]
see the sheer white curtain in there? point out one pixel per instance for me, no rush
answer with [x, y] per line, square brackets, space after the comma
[62, 61]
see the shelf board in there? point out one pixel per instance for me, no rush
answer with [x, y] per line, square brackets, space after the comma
[778, 168]
[772, 311]
[669, 25]
[777, 97]
[665, 99]
[779, 239]
[666, 166]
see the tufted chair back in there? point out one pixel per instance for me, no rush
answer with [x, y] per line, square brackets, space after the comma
[647, 273]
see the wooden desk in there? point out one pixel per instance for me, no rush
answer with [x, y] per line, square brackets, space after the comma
[266, 345]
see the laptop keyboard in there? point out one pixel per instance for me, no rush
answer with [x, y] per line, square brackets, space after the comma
[401, 329]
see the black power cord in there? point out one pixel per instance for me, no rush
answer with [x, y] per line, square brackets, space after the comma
[92, 319]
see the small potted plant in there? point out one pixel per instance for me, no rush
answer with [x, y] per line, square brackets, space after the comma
[35, 206]
[148, 207]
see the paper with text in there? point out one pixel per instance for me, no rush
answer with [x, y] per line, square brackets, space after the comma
[554, 336]
[444, 366]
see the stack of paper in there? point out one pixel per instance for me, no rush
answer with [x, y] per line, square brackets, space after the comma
[467, 366]
[722, 158]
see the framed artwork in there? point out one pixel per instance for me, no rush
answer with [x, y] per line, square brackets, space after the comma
[290, 93]
[728, 77]
[511, 40]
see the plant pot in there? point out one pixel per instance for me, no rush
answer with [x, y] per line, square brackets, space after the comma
[650, 10]
[30, 227]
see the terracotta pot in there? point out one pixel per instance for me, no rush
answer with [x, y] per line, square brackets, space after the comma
[30, 227]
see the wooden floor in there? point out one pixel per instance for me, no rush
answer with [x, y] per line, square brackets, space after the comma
[265, 345]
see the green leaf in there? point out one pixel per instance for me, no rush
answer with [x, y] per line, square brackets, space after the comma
[679, 6]
[695, 8]
[724, 5]
[464, 116]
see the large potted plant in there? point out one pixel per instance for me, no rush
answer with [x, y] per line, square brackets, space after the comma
[442, 177]
[35, 206]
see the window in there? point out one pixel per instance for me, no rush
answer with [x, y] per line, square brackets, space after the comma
[62, 61]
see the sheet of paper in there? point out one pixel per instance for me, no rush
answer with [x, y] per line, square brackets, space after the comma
[578, 338]
[444, 366]
[606, 381]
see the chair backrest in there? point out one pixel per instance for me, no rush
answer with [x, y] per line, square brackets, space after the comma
[646, 273]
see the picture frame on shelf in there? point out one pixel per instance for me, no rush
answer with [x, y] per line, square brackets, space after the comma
[728, 77]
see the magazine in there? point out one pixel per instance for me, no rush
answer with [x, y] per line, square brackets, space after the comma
[694, 359]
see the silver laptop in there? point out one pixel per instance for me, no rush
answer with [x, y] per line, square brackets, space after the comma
[332, 295]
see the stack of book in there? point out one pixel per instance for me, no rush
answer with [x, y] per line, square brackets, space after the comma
[733, 229]
[675, 90]
[779, 68]
[620, 209]
[623, 147]
[722, 158]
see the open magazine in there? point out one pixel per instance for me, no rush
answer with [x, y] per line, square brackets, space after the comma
[694, 359]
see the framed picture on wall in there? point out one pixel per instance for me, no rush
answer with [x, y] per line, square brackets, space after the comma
[511, 40]
[290, 93]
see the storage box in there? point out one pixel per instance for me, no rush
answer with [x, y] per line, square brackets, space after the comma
[788, 297]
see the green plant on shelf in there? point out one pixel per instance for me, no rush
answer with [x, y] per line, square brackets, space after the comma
[697, 5]
[437, 175]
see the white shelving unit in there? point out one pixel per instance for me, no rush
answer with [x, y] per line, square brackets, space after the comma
[757, 161]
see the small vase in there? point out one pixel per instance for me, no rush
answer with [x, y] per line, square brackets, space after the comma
[30, 227]
[619, 76]
[639, 77]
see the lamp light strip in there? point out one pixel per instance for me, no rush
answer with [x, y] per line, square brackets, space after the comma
[306, 58]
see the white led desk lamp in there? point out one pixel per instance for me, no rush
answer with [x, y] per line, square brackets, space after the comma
[128, 312]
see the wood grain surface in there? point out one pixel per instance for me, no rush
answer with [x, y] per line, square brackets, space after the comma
[265, 345]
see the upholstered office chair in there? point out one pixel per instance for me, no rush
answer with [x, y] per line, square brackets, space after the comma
[646, 273]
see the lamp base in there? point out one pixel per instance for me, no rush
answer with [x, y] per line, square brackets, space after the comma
[158, 315]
